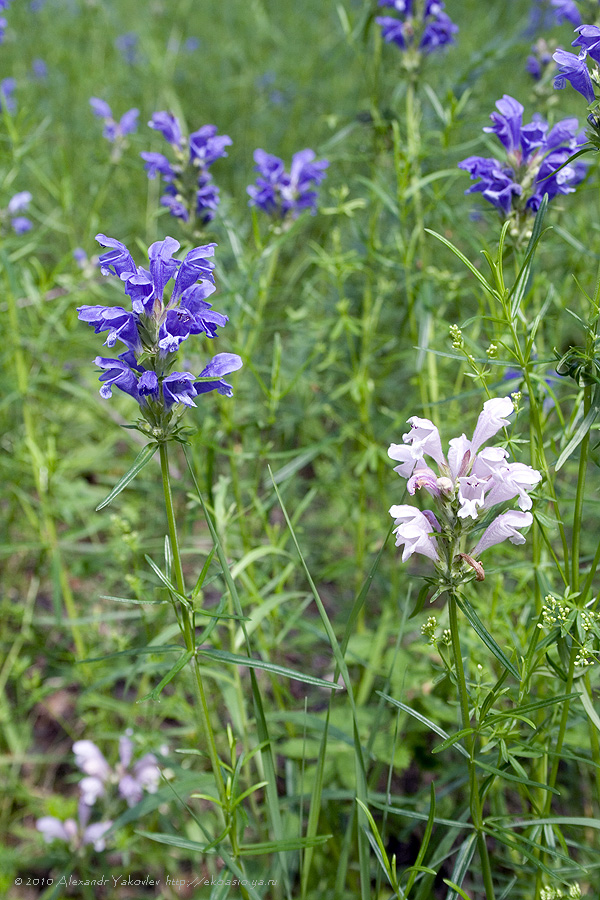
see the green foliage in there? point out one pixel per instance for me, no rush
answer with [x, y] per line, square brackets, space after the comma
[341, 766]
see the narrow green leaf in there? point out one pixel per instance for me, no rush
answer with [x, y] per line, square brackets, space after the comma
[378, 846]
[202, 576]
[527, 708]
[522, 280]
[418, 865]
[461, 865]
[362, 595]
[175, 840]
[185, 600]
[420, 817]
[181, 662]
[299, 461]
[315, 802]
[166, 581]
[284, 845]
[237, 659]
[229, 861]
[587, 704]
[424, 869]
[141, 460]
[220, 891]
[132, 651]
[485, 636]
[522, 845]
[456, 888]
[453, 739]
[420, 601]
[268, 762]
[508, 776]
[582, 429]
[132, 600]
[424, 720]
[480, 278]
[574, 821]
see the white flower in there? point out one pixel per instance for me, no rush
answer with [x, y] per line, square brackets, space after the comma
[504, 526]
[414, 529]
[75, 834]
[491, 420]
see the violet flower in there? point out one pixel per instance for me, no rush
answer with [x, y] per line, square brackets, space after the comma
[159, 321]
[190, 192]
[566, 11]
[427, 33]
[7, 90]
[284, 195]
[114, 131]
[76, 834]
[574, 69]
[17, 204]
[127, 45]
[39, 69]
[534, 160]
[131, 777]
[470, 481]
[539, 60]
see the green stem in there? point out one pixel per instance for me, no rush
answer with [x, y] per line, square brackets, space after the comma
[205, 730]
[578, 509]
[463, 696]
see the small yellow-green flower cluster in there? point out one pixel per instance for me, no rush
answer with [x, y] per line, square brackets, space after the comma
[586, 627]
[554, 613]
[456, 337]
[554, 893]
[428, 629]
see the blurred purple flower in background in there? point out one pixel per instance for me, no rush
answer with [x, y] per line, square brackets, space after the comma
[80, 257]
[548, 13]
[39, 69]
[127, 45]
[113, 130]
[539, 60]
[284, 194]
[75, 834]
[434, 29]
[17, 204]
[7, 90]
[190, 192]
[131, 777]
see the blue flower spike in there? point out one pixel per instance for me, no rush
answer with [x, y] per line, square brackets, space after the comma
[168, 304]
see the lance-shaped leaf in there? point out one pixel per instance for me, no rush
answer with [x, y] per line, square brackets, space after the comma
[141, 460]
[485, 636]
[238, 660]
